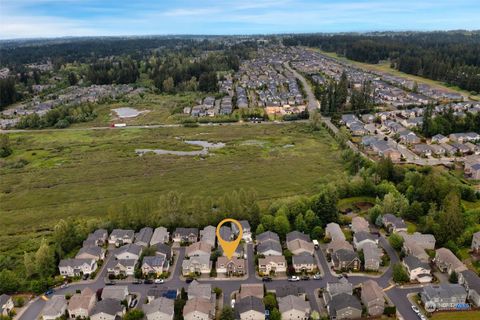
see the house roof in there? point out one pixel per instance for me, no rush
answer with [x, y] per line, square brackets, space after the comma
[162, 292]
[160, 235]
[335, 245]
[144, 235]
[345, 255]
[447, 256]
[55, 306]
[154, 261]
[275, 259]
[303, 258]
[297, 244]
[343, 301]
[201, 246]
[289, 290]
[267, 236]
[82, 300]
[199, 290]
[94, 251]
[413, 262]
[75, 263]
[371, 251]
[297, 235]
[108, 306]
[371, 291]
[115, 292]
[335, 231]
[362, 236]
[340, 286]
[121, 233]
[3, 299]
[198, 304]
[185, 232]
[248, 304]
[164, 249]
[292, 302]
[236, 261]
[472, 280]
[443, 291]
[130, 248]
[269, 245]
[251, 289]
[161, 304]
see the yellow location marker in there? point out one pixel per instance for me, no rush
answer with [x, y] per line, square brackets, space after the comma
[229, 247]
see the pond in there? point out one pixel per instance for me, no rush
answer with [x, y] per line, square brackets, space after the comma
[205, 144]
[126, 112]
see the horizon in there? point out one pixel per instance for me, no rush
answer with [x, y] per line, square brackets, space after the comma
[47, 19]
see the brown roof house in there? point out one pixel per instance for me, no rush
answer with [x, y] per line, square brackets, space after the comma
[446, 261]
[360, 224]
[294, 308]
[198, 248]
[199, 309]
[81, 305]
[334, 232]
[372, 298]
[272, 264]
[417, 270]
[345, 260]
[230, 267]
[304, 263]
[298, 242]
[251, 289]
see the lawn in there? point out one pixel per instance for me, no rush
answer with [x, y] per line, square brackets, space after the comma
[461, 315]
[71, 173]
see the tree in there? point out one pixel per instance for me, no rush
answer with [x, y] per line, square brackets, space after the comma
[317, 233]
[325, 205]
[400, 275]
[29, 264]
[9, 282]
[5, 148]
[72, 78]
[45, 260]
[396, 241]
[65, 236]
[168, 85]
[227, 313]
[134, 314]
[260, 229]
[453, 278]
[300, 224]
[281, 225]
[451, 220]
[385, 169]
[270, 301]
[275, 314]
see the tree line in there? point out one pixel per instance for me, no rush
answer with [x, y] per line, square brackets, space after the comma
[452, 57]
[447, 122]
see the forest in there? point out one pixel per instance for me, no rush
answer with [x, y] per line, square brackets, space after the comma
[447, 123]
[451, 57]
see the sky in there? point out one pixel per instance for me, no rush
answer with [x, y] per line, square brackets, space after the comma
[55, 18]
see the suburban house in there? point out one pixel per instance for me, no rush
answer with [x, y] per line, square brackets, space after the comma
[361, 238]
[290, 289]
[197, 264]
[393, 223]
[344, 306]
[425, 241]
[413, 248]
[443, 296]
[334, 232]
[144, 236]
[238, 253]
[208, 235]
[159, 309]
[81, 305]
[154, 265]
[246, 229]
[55, 308]
[372, 257]
[162, 292]
[360, 224]
[124, 267]
[417, 270]
[97, 238]
[269, 248]
[471, 282]
[6, 304]
[199, 290]
[250, 308]
[251, 289]
[198, 249]
[336, 245]
[160, 235]
[120, 237]
[162, 249]
[185, 235]
[298, 242]
[446, 261]
[129, 252]
[372, 297]
[304, 263]
[476, 242]
[267, 236]
[294, 308]
[272, 264]
[345, 260]
[118, 293]
[107, 309]
[76, 267]
[199, 309]
[96, 253]
[439, 138]
[230, 267]
[335, 288]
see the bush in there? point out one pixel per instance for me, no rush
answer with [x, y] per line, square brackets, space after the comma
[390, 310]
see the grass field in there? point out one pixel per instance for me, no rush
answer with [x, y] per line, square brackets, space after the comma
[74, 173]
[461, 315]
[385, 67]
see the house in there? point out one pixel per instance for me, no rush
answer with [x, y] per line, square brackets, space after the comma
[120, 237]
[197, 264]
[417, 270]
[425, 241]
[294, 308]
[251, 290]
[81, 305]
[446, 261]
[360, 224]
[6, 304]
[290, 289]
[199, 290]
[304, 263]
[361, 238]
[410, 247]
[198, 249]
[334, 232]
[443, 296]
[386, 150]
[129, 252]
[267, 236]
[246, 229]
[162, 249]
[144, 236]
[160, 235]
[238, 253]
[55, 308]
[437, 149]
[186, 235]
[345, 260]
[98, 238]
[250, 308]
[408, 137]
[298, 243]
[159, 309]
[226, 233]
[95, 253]
[161, 292]
[474, 149]
[124, 267]
[344, 306]
[439, 138]
[208, 235]
[77, 267]
[272, 264]
[118, 293]
[269, 248]
[423, 150]
[336, 245]
[335, 288]
[154, 265]
[372, 298]
[476, 242]
[471, 283]
[231, 267]
[199, 309]
[393, 223]
[107, 309]
[372, 257]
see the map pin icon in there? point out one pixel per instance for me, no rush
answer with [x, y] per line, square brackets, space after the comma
[229, 247]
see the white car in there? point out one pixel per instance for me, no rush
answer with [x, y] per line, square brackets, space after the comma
[422, 317]
[415, 309]
[232, 304]
[294, 278]
[158, 281]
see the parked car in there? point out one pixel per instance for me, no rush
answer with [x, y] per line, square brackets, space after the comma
[294, 278]
[232, 303]
[49, 292]
[85, 276]
[415, 309]
[133, 303]
[188, 280]
[137, 281]
[159, 281]
[148, 281]
[305, 277]
[317, 276]
[267, 279]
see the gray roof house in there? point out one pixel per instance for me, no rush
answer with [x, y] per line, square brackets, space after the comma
[143, 237]
[393, 223]
[335, 288]
[344, 306]
[267, 236]
[163, 249]
[160, 235]
[246, 229]
[304, 262]
[76, 267]
[372, 256]
[118, 293]
[290, 289]
[334, 232]
[107, 309]
[249, 308]
[361, 238]
[208, 235]
[189, 235]
[120, 237]
[96, 253]
[345, 260]
[446, 261]
[154, 265]
[54, 308]
[6, 304]
[417, 270]
[269, 248]
[199, 290]
[294, 307]
[129, 251]
[372, 297]
[443, 296]
[160, 308]
[471, 282]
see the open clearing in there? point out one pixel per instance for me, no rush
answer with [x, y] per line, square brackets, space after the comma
[461, 315]
[84, 172]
